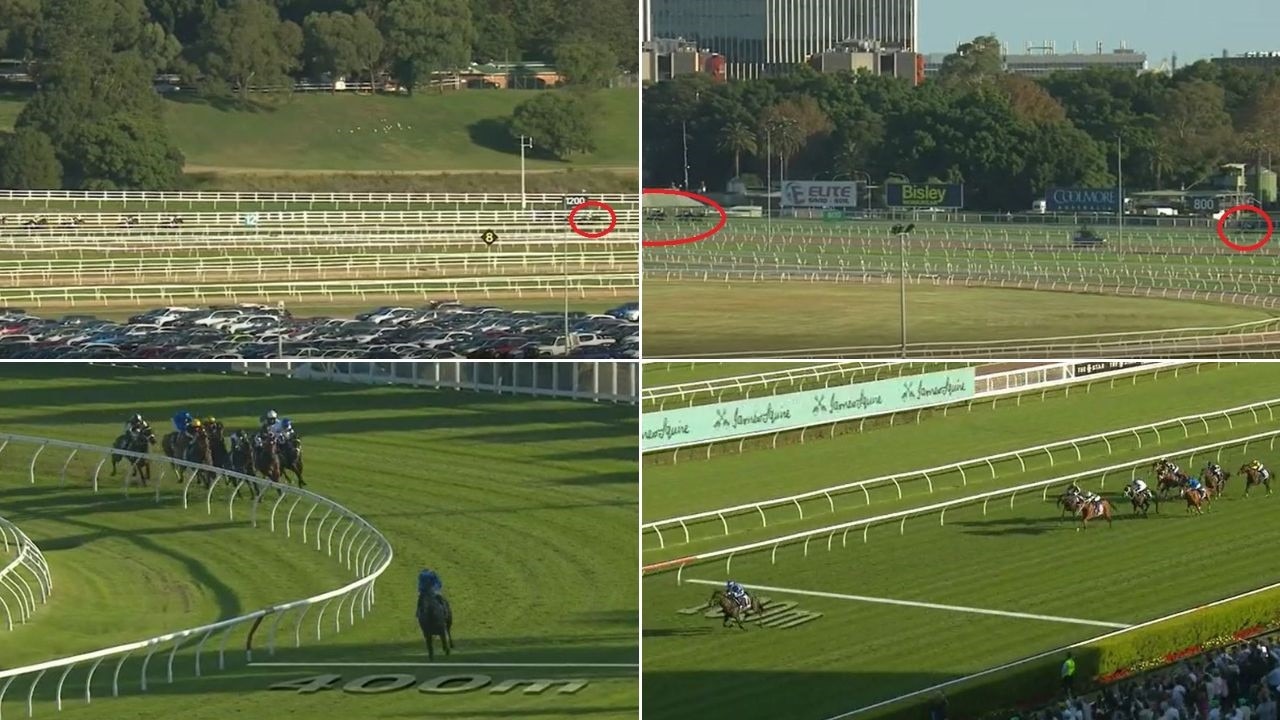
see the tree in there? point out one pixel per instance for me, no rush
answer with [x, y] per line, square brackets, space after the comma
[1030, 101]
[977, 62]
[123, 151]
[246, 44]
[737, 139]
[496, 36]
[585, 64]
[1259, 131]
[329, 43]
[19, 25]
[1195, 125]
[28, 162]
[560, 124]
[424, 36]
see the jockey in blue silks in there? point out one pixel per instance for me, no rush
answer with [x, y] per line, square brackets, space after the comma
[182, 421]
[736, 592]
[1194, 484]
[429, 581]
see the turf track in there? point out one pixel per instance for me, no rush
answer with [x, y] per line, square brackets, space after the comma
[1179, 263]
[1020, 560]
[499, 493]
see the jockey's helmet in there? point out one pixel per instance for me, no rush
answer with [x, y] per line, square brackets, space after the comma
[137, 417]
[286, 424]
[272, 415]
[195, 423]
[211, 420]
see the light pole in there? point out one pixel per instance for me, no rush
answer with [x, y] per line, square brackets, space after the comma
[768, 183]
[525, 143]
[1120, 190]
[684, 133]
[902, 233]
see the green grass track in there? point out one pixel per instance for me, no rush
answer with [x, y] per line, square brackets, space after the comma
[526, 507]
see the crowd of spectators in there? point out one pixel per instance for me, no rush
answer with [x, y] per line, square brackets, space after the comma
[1236, 683]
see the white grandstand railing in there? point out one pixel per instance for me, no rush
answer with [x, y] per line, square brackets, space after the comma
[367, 560]
[774, 378]
[240, 198]
[901, 516]
[328, 289]
[986, 464]
[17, 585]
[249, 267]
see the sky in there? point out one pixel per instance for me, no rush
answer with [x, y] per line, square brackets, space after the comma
[1195, 29]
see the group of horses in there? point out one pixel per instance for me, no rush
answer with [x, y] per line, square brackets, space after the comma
[1167, 480]
[262, 454]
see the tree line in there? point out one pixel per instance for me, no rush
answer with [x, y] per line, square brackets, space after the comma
[1007, 137]
[95, 119]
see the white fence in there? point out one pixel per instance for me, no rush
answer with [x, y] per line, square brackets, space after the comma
[424, 288]
[37, 224]
[318, 521]
[616, 382]
[806, 537]
[986, 466]
[25, 579]
[238, 199]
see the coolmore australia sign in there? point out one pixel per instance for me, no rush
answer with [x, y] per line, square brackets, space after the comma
[791, 411]
[1081, 200]
[932, 195]
[801, 193]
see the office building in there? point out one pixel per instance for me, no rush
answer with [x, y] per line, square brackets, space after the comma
[1262, 60]
[1044, 60]
[761, 37]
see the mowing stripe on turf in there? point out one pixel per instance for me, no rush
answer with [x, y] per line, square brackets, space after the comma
[632, 666]
[929, 606]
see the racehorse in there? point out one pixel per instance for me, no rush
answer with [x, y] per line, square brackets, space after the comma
[1142, 500]
[1216, 485]
[200, 451]
[1254, 477]
[218, 447]
[1070, 503]
[266, 458]
[1089, 511]
[732, 611]
[175, 448]
[291, 459]
[435, 618]
[137, 442]
[1168, 481]
[1196, 499]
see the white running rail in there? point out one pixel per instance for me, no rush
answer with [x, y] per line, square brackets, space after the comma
[321, 522]
[986, 465]
[772, 380]
[26, 588]
[842, 529]
[348, 198]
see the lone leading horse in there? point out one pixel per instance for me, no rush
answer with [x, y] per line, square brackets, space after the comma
[1255, 477]
[732, 611]
[136, 442]
[435, 619]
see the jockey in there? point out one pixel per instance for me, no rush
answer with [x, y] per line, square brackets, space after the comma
[429, 580]
[135, 424]
[213, 426]
[285, 430]
[270, 420]
[193, 428]
[1194, 484]
[736, 592]
[182, 421]
[1073, 489]
[1139, 486]
[1214, 469]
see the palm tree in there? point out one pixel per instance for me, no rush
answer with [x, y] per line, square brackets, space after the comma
[737, 139]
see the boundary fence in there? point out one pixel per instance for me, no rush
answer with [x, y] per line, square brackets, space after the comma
[901, 517]
[986, 464]
[359, 546]
[773, 381]
[237, 199]
[27, 557]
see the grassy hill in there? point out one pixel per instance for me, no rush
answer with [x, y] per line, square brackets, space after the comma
[459, 133]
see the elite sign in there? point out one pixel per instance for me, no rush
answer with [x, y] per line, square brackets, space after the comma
[792, 411]
[930, 195]
[801, 193]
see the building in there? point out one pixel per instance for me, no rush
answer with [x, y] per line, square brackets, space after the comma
[663, 59]
[761, 37]
[870, 57]
[1043, 60]
[1263, 60]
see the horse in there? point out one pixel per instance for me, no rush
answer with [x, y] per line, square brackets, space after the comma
[266, 458]
[291, 459]
[1141, 500]
[732, 611]
[218, 446]
[200, 451]
[1254, 477]
[175, 448]
[1167, 481]
[1089, 511]
[1216, 485]
[1196, 499]
[137, 442]
[1070, 503]
[435, 619]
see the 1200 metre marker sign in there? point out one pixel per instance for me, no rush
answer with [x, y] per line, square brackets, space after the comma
[443, 685]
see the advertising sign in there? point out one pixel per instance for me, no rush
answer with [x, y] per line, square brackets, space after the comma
[1096, 200]
[1093, 368]
[812, 194]
[707, 423]
[924, 196]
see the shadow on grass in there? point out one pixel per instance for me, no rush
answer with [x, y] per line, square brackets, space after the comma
[224, 102]
[495, 134]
